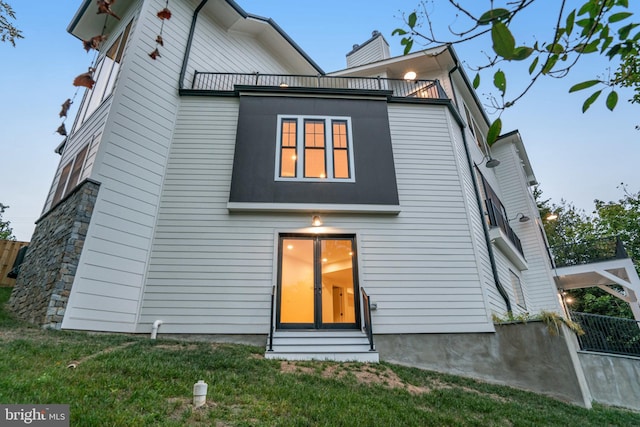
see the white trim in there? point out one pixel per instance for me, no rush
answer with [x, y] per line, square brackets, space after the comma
[313, 207]
[328, 120]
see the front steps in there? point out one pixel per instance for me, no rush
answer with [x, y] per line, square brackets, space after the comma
[338, 346]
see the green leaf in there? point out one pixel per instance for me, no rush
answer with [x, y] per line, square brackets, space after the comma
[617, 17]
[494, 132]
[626, 30]
[570, 21]
[476, 81]
[399, 32]
[521, 53]
[500, 81]
[407, 46]
[533, 65]
[588, 7]
[548, 66]
[493, 15]
[413, 18]
[584, 23]
[612, 100]
[583, 85]
[555, 48]
[590, 100]
[503, 41]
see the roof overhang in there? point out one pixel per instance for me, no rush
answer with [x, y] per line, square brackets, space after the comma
[86, 24]
[514, 138]
[396, 67]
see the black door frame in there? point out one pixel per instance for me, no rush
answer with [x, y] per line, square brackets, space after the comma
[317, 295]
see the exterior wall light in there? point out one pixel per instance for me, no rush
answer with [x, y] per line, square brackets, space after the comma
[491, 162]
[316, 221]
[410, 75]
[521, 217]
[552, 216]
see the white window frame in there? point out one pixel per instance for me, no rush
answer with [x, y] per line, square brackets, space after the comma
[518, 291]
[328, 148]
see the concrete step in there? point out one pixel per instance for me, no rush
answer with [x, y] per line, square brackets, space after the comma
[340, 346]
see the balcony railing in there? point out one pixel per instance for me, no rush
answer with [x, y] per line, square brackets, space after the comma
[608, 334]
[227, 82]
[496, 219]
[589, 251]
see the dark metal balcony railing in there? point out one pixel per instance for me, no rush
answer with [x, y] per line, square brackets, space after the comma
[608, 334]
[227, 82]
[496, 219]
[588, 251]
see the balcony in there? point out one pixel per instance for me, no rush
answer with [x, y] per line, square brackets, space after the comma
[226, 83]
[503, 235]
[602, 263]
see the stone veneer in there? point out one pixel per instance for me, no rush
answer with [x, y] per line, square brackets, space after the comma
[43, 286]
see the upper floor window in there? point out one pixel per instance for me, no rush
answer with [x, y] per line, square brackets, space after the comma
[70, 174]
[314, 148]
[104, 76]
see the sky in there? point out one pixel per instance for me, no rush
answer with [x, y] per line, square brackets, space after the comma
[576, 157]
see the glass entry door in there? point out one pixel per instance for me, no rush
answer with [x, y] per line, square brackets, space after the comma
[317, 282]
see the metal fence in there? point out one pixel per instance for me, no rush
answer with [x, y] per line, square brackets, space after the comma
[607, 334]
[228, 82]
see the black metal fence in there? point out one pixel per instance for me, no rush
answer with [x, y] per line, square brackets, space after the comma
[588, 251]
[227, 82]
[608, 334]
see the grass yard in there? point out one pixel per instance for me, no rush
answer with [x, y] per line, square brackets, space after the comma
[121, 380]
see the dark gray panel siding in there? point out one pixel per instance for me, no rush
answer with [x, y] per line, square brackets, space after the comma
[254, 159]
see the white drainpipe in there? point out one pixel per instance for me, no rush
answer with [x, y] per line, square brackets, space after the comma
[154, 328]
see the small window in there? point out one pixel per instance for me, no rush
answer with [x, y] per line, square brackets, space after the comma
[312, 148]
[70, 175]
[517, 290]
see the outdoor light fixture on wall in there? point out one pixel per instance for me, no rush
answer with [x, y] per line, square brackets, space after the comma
[316, 221]
[521, 217]
[491, 162]
[552, 216]
[410, 75]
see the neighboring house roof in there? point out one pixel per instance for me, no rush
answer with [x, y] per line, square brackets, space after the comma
[83, 25]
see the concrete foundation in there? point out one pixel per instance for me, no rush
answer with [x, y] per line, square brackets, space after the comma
[526, 356]
[613, 380]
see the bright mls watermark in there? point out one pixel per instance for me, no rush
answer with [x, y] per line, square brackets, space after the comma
[34, 415]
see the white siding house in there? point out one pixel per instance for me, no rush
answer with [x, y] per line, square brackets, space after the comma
[213, 158]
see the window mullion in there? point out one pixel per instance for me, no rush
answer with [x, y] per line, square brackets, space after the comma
[328, 145]
[300, 145]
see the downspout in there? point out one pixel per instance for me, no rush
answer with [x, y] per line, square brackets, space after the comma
[187, 50]
[485, 227]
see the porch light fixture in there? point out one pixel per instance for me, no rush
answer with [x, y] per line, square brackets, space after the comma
[410, 75]
[491, 162]
[283, 84]
[521, 217]
[316, 221]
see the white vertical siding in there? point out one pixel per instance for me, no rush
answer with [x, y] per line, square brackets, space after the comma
[212, 272]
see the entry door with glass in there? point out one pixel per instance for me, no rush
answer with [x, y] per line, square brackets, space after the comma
[317, 285]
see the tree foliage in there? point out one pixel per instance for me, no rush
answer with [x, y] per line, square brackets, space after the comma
[575, 228]
[6, 232]
[8, 32]
[580, 27]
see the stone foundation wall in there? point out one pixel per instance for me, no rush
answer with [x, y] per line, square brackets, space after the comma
[43, 286]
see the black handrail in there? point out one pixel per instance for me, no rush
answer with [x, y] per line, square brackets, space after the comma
[367, 318]
[589, 251]
[606, 334]
[497, 219]
[271, 331]
[227, 82]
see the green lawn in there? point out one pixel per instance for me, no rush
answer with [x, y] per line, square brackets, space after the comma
[121, 380]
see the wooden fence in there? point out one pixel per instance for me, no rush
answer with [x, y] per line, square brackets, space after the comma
[8, 251]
